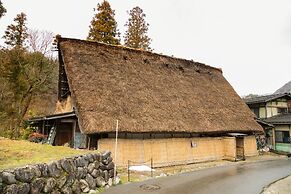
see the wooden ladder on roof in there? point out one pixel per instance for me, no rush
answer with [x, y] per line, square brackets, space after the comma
[52, 135]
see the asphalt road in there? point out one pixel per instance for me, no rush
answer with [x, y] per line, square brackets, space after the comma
[243, 178]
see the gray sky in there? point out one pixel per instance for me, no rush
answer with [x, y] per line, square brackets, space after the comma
[249, 39]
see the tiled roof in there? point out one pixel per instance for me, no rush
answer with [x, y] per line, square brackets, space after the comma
[279, 119]
[266, 98]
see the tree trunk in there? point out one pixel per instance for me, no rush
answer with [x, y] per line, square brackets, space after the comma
[23, 109]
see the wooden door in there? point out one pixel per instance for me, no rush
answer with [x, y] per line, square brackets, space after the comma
[240, 155]
[64, 134]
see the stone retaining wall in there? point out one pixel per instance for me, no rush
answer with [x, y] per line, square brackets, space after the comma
[79, 174]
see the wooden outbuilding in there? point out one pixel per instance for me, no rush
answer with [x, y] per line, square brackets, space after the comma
[172, 110]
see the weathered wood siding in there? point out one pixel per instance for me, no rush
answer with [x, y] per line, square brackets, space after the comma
[175, 151]
[229, 148]
[250, 146]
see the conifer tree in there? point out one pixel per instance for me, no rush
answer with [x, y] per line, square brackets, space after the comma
[2, 9]
[137, 28]
[103, 26]
[16, 34]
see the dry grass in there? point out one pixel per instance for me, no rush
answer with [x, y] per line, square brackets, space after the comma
[16, 153]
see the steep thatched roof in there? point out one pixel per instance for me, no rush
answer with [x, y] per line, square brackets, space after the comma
[149, 92]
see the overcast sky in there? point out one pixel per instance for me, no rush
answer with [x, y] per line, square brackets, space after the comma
[249, 39]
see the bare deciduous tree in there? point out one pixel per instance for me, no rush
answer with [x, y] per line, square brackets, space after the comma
[40, 41]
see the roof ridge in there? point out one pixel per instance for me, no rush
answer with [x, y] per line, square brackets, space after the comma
[60, 39]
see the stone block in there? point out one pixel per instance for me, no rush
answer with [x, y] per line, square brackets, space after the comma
[23, 188]
[11, 189]
[61, 182]
[100, 182]
[8, 178]
[90, 158]
[24, 174]
[67, 190]
[67, 165]
[81, 173]
[44, 169]
[36, 171]
[111, 173]
[91, 167]
[110, 166]
[106, 175]
[37, 185]
[76, 187]
[91, 182]
[53, 170]
[82, 162]
[95, 173]
[50, 185]
[84, 186]
[105, 155]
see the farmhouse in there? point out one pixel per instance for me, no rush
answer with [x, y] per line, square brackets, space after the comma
[172, 110]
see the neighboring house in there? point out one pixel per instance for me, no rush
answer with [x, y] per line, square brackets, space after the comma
[273, 113]
[281, 131]
[269, 105]
[172, 110]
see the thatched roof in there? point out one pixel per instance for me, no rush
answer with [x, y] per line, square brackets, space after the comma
[149, 92]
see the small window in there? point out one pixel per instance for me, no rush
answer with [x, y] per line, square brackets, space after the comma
[282, 137]
[282, 110]
[256, 111]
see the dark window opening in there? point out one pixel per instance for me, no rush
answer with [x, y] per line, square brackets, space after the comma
[256, 111]
[282, 110]
[282, 137]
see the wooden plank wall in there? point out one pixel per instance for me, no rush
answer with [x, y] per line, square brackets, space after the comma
[250, 145]
[229, 148]
[173, 151]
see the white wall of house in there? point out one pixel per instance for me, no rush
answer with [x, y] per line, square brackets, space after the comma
[273, 106]
[262, 112]
[282, 128]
